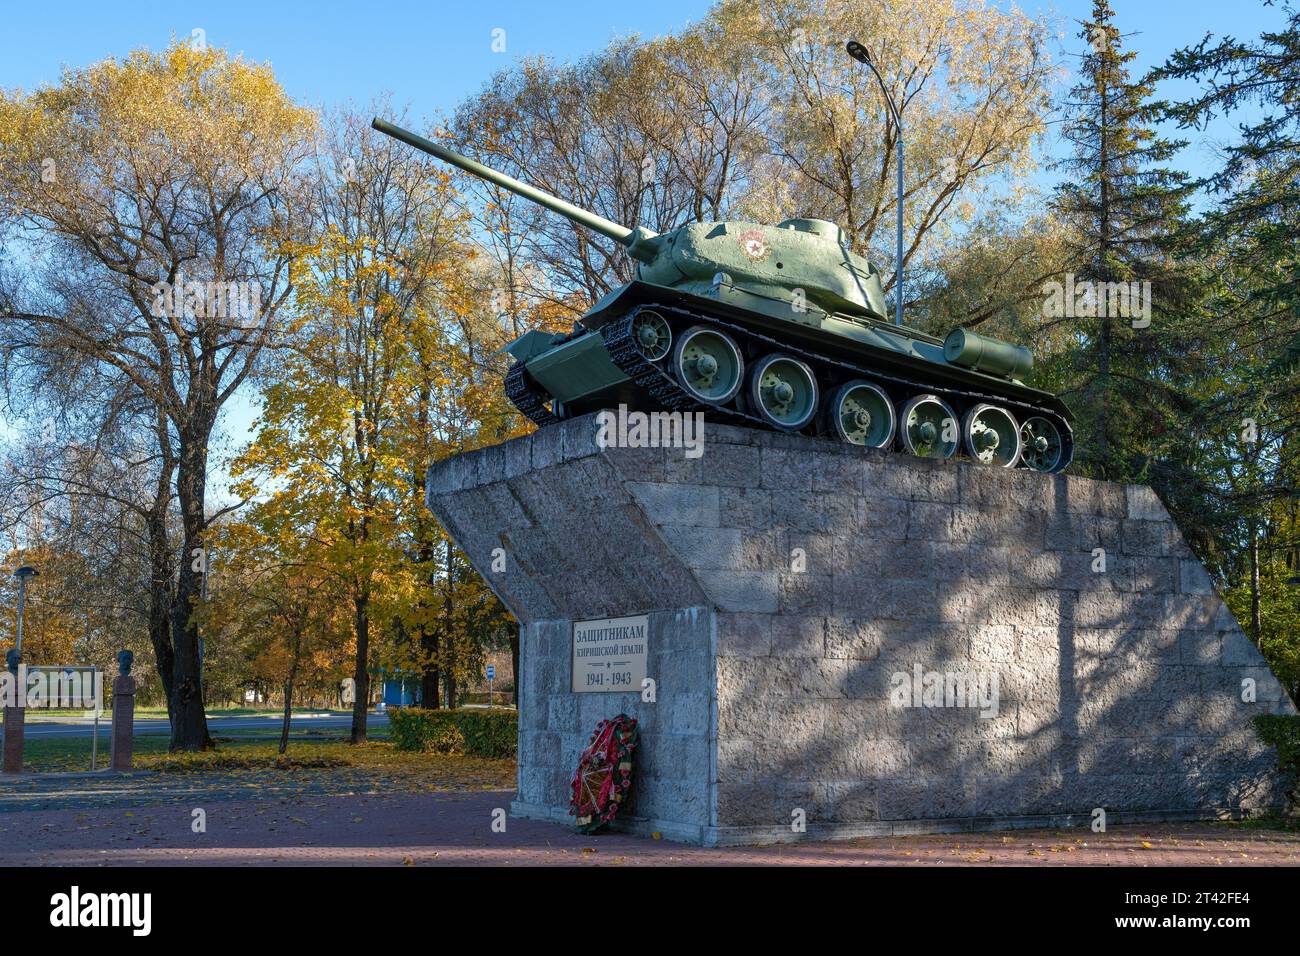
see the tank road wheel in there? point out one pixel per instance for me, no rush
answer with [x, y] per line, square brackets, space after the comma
[654, 339]
[1045, 450]
[928, 427]
[708, 365]
[861, 414]
[783, 391]
[991, 436]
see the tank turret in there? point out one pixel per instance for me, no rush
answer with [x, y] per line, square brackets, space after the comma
[781, 327]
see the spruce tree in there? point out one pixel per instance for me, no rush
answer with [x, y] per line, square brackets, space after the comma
[1127, 215]
[1252, 234]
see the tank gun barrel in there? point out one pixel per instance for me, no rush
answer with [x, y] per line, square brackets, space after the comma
[628, 237]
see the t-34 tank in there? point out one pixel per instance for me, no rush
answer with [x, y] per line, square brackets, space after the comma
[780, 327]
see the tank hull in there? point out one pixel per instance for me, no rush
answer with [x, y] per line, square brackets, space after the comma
[580, 373]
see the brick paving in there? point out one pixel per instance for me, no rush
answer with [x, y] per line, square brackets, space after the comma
[453, 829]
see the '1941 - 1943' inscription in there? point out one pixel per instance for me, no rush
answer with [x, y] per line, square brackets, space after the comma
[609, 654]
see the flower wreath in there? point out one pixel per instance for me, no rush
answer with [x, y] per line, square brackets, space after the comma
[604, 774]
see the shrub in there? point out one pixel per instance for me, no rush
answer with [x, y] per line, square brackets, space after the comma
[1282, 731]
[478, 733]
[446, 738]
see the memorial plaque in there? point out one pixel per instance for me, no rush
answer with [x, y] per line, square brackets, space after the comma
[609, 654]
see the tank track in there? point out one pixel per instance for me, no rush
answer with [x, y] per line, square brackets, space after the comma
[526, 396]
[665, 390]
[661, 386]
[667, 394]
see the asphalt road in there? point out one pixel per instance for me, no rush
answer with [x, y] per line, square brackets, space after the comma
[217, 726]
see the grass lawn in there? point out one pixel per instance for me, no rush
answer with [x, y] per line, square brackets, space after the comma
[161, 711]
[325, 764]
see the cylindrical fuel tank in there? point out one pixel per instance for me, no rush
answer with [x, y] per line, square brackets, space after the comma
[983, 354]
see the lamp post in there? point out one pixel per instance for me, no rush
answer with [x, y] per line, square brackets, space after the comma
[859, 53]
[22, 574]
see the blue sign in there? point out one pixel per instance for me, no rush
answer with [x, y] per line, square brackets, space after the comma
[492, 672]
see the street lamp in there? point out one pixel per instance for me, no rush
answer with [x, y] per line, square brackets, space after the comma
[859, 53]
[22, 574]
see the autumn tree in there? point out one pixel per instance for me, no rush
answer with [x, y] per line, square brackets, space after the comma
[757, 112]
[158, 194]
[995, 282]
[640, 134]
[333, 436]
[71, 488]
[86, 442]
[280, 599]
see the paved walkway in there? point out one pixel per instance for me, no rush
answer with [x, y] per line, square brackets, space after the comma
[448, 829]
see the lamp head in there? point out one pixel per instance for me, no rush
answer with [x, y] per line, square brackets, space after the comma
[858, 52]
[25, 572]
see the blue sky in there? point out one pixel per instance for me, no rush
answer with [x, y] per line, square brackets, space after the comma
[429, 54]
[432, 55]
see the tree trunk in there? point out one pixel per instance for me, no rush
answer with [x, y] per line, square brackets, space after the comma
[288, 688]
[1103, 273]
[430, 647]
[514, 663]
[160, 602]
[361, 672]
[288, 713]
[189, 722]
[160, 564]
[431, 676]
[451, 637]
[1254, 583]
[431, 679]
[1103, 410]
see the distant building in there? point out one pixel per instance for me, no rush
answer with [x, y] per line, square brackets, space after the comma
[401, 688]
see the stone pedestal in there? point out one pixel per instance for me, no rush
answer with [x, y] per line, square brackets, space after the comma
[13, 746]
[123, 721]
[795, 591]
